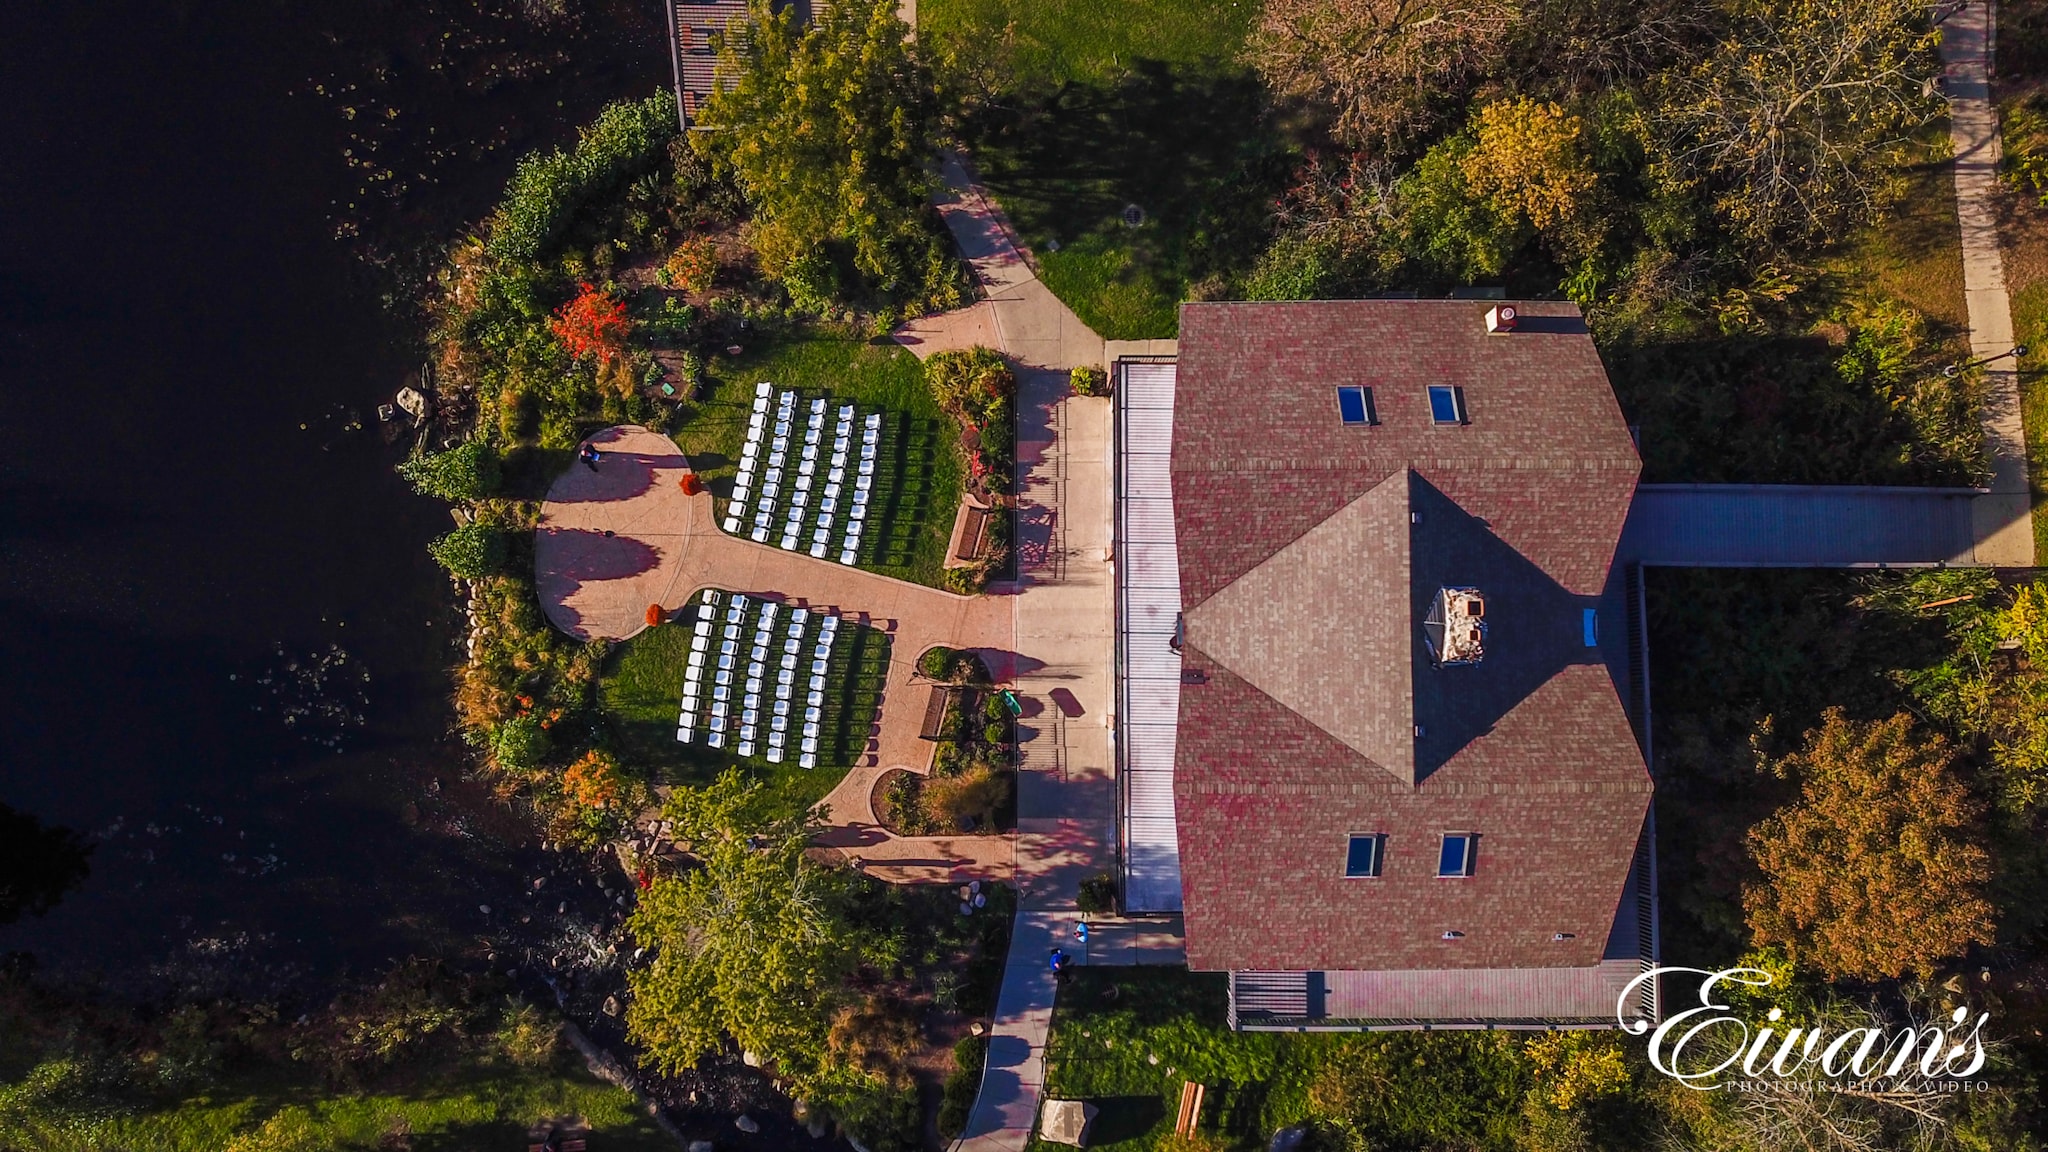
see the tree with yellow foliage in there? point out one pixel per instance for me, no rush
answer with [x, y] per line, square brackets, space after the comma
[1528, 159]
[1879, 868]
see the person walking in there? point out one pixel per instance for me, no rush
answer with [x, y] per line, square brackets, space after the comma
[589, 455]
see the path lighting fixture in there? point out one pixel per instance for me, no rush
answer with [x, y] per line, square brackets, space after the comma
[1954, 370]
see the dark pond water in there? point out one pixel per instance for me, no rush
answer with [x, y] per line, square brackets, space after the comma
[221, 642]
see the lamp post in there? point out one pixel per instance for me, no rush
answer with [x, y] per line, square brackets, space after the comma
[1954, 370]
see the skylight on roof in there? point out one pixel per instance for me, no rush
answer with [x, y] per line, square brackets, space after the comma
[1456, 857]
[1362, 858]
[1355, 406]
[1446, 404]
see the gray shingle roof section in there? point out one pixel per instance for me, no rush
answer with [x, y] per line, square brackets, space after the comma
[1322, 626]
[1148, 610]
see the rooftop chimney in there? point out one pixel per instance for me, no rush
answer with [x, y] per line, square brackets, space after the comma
[1500, 319]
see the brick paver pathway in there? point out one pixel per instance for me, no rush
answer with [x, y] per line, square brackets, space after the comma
[615, 540]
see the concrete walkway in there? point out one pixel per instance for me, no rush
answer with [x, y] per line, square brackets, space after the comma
[1798, 526]
[1066, 799]
[2004, 525]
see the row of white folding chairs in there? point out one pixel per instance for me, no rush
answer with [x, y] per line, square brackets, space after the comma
[814, 710]
[778, 455]
[785, 679]
[806, 472]
[828, 506]
[863, 482]
[744, 481]
[700, 656]
[757, 667]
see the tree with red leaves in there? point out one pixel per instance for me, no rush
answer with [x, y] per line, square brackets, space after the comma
[593, 324]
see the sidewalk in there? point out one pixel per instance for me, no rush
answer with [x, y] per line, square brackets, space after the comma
[2003, 519]
[1066, 797]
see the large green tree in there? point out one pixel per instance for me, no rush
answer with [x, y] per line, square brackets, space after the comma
[830, 130]
[753, 942]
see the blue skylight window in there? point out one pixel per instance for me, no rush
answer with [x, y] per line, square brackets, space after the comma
[1446, 404]
[1363, 858]
[1591, 620]
[1355, 406]
[1456, 858]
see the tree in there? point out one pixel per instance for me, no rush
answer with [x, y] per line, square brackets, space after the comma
[38, 863]
[1878, 870]
[592, 324]
[471, 551]
[1527, 159]
[469, 471]
[1387, 68]
[549, 188]
[1799, 120]
[829, 132]
[753, 942]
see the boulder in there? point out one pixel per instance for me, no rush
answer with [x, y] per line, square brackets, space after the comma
[747, 1124]
[698, 1146]
[1065, 1121]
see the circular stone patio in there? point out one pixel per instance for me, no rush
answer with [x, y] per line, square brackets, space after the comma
[611, 541]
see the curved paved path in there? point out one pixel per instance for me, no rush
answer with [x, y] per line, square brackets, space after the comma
[614, 540]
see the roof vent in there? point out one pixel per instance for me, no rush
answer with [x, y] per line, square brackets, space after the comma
[1455, 628]
[1500, 319]
[1563, 936]
[1454, 934]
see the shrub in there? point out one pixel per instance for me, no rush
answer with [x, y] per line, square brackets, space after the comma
[471, 551]
[962, 1085]
[997, 733]
[693, 265]
[469, 471]
[973, 796]
[937, 663]
[592, 324]
[521, 744]
[528, 1036]
[974, 385]
[1098, 894]
[1088, 380]
[548, 188]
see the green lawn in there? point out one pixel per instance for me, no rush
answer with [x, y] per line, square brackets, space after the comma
[1916, 253]
[642, 687]
[919, 476]
[474, 1109]
[1121, 105]
[2030, 327]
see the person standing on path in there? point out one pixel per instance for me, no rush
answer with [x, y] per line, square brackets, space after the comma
[590, 456]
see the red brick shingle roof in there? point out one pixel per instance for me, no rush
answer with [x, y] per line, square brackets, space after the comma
[1309, 553]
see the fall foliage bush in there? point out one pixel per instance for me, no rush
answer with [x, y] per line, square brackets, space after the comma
[693, 265]
[593, 324]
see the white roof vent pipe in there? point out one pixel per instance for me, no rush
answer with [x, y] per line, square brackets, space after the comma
[1500, 319]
